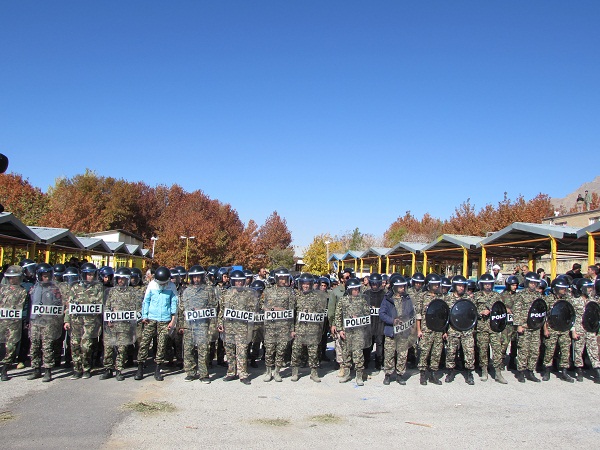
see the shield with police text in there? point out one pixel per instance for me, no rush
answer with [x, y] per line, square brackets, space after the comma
[46, 311]
[310, 317]
[498, 317]
[198, 313]
[375, 298]
[278, 310]
[437, 315]
[562, 316]
[591, 317]
[240, 308]
[120, 317]
[405, 324]
[537, 314]
[12, 300]
[356, 322]
[463, 315]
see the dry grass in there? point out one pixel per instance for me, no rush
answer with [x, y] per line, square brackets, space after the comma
[150, 407]
[325, 418]
[5, 416]
[276, 422]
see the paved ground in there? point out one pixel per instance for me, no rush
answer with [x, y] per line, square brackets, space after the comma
[69, 414]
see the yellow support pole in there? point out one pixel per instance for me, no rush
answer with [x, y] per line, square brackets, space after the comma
[465, 261]
[414, 263]
[361, 266]
[379, 265]
[47, 258]
[355, 264]
[424, 262]
[1, 256]
[591, 249]
[342, 264]
[531, 262]
[553, 252]
[63, 258]
[387, 265]
[482, 262]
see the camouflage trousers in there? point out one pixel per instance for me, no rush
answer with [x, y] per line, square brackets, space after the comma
[587, 342]
[162, 331]
[485, 340]
[430, 345]
[563, 340]
[42, 346]
[393, 357]
[348, 357]
[507, 336]
[275, 353]
[82, 348]
[237, 357]
[195, 362]
[528, 349]
[455, 340]
[12, 336]
[313, 355]
[339, 354]
[112, 362]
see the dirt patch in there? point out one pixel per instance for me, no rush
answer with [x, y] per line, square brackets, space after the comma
[326, 418]
[276, 422]
[150, 407]
[5, 416]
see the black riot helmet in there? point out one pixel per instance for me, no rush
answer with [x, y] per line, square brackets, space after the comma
[282, 273]
[351, 284]
[106, 272]
[446, 283]
[560, 284]
[15, 272]
[532, 280]
[585, 287]
[28, 266]
[59, 271]
[175, 276]
[182, 272]
[71, 275]
[398, 284]
[248, 273]
[136, 277]
[417, 277]
[237, 276]
[44, 269]
[122, 274]
[88, 269]
[511, 280]
[434, 282]
[211, 272]
[162, 275]
[459, 280]
[326, 281]
[486, 282]
[375, 281]
[305, 283]
[543, 285]
[195, 271]
[258, 285]
[472, 286]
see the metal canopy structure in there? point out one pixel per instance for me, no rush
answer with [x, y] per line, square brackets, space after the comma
[404, 254]
[59, 237]
[95, 244]
[455, 248]
[13, 231]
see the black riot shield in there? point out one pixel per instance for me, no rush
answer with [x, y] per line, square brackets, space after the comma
[405, 324]
[463, 315]
[498, 317]
[562, 316]
[437, 315]
[591, 317]
[537, 314]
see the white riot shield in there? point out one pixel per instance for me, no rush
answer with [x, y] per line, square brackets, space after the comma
[405, 324]
[198, 313]
[311, 312]
[356, 323]
[120, 327]
[278, 315]
[46, 311]
[240, 306]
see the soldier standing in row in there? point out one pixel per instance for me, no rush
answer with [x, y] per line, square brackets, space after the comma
[431, 342]
[13, 298]
[374, 295]
[585, 340]
[510, 332]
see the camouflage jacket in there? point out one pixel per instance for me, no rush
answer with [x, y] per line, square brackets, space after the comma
[485, 301]
[523, 301]
[349, 306]
[196, 297]
[80, 294]
[13, 297]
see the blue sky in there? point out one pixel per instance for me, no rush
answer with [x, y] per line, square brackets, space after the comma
[337, 114]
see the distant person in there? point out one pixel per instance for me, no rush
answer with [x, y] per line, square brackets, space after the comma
[587, 198]
[575, 272]
[498, 277]
[580, 202]
[593, 272]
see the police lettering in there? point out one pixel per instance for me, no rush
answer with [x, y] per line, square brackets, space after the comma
[509, 318]
[403, 326]
[352, 322]
[538, 315]
[6, 313]
[47, 310]
[234, 314]
[120, 316]
[86, 308]
[259, 317]
[374, 311]
[498, 316]
[196, 314]
[311, 317]
[279, 315]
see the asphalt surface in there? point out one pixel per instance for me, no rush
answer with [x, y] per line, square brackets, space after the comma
[68, 414]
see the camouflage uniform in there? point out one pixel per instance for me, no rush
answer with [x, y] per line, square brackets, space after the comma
[560, 338]
[121, 334]
[349, 306]
[85, 328]
[457, 338]
[528, 343]
[11, 297]
[485, 336]
[308, 333]
[334, 296]
[587, 340]
[59, 344]
[432, 343]
[393, 355]
[44, 330]
[237, 333]
[196, 335]
[510, 332]
[277, 333]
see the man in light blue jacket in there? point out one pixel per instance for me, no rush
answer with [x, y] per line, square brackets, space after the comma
[159, 313]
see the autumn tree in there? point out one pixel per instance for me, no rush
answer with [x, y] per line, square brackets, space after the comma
[273, 242]
[409, 228]
[26, 202]
[315, 256]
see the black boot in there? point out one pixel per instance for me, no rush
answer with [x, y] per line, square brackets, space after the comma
[47, 376]
[106, 375]
[520, 376]
[139, 375]
[563, 375]
[546, 374]
[400, 379]
[4, 375]
[450, 376]
[469, 380]
[157, 375]
[119, 376]
[579, 374]
[531, 376]
[37, 373]
[386, 379]
[597, 375]
[434, 378]
[423, 378]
